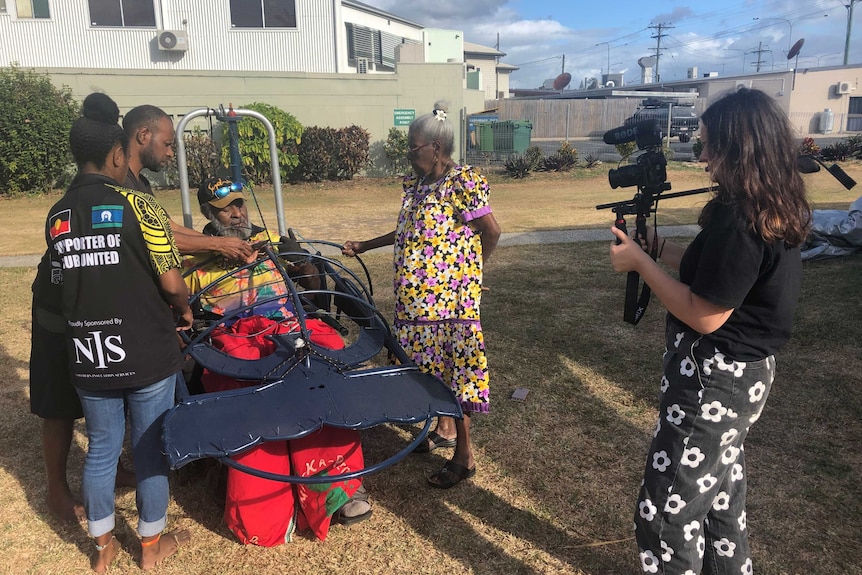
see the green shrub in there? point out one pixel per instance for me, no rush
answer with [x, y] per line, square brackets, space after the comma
[697, 148]
[519, 165]
[395, 148]
[625, 150]
[855, 143]
[591, 161]
[34, 131]
[352, 145]
[809, 146]
[849, 147]
[317, 154]
[330, 154]
[254, 143]
[202, 159]
[838, 152]
[565, 158]
[668, 151]
[534, 155]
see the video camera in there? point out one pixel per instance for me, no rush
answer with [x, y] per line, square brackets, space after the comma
[650, 169]
[649, 174]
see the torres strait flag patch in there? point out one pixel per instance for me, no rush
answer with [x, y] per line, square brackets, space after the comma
[107, 216]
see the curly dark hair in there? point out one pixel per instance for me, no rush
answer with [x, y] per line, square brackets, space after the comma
[752, 154]
[96, 132]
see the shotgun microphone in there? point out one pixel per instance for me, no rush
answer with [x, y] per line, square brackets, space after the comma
[646, 133]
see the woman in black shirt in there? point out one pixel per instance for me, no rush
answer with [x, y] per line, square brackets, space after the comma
[122, 298]
[729, 312]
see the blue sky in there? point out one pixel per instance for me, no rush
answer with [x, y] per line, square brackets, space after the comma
[715, 36]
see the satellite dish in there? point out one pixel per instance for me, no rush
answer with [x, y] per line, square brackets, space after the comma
[561, 81]
[796, 48]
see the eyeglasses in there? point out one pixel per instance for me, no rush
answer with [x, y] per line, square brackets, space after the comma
[415, 149]
[225, 191]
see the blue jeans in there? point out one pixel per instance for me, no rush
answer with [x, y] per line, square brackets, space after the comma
[105, 417]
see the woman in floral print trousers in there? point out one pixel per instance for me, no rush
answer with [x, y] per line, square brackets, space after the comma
[728, 314]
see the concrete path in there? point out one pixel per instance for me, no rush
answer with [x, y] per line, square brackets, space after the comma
[506, 239]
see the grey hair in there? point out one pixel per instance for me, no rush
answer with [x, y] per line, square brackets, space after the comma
[430, 127]
[208, 211]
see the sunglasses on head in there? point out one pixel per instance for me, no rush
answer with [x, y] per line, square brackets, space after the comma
[224, 191]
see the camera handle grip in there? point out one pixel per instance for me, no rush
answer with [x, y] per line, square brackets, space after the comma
[620, 224]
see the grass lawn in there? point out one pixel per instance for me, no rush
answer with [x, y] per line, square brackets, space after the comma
[558, 472]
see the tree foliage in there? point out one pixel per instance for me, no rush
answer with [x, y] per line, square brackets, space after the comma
[34, 130]
[330, 154]
[202, 159]
[395, 147]
[254, 143]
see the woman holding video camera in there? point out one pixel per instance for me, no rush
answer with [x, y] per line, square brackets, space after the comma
[728, 314]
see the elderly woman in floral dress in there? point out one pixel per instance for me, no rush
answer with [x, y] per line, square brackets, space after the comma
[445, 233]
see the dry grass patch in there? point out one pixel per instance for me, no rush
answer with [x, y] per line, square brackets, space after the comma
[364, 207]
[558, 473]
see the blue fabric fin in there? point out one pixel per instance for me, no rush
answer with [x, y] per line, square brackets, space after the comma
[312, 394]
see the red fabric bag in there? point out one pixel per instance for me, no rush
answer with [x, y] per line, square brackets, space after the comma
[327, 451]
[262, 511]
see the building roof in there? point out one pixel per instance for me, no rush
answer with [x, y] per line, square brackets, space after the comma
[378, 12]
[471, 48]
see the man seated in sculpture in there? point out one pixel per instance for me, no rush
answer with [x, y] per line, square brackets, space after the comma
[227, 286]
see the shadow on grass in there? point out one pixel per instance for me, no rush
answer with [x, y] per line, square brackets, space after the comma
[21, 451]
[554, 326]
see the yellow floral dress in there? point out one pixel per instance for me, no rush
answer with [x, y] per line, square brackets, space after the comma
[438, 281]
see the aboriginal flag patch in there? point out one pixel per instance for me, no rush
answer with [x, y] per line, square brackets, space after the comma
[60, 224]
[107, 216]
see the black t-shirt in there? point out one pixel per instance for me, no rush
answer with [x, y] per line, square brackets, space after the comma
[140, 183]
[113, 244]
[732, 267]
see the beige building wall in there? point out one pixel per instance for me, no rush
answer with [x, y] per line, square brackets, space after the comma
[334, 100]
[818, 90]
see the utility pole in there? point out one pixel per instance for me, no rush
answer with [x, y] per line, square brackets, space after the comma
[658, 36]
[564, 64]
[759, 51]
[849, 27]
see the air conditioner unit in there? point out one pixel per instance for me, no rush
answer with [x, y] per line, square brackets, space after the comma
[173, 40]
[842, 88]
[362, 65]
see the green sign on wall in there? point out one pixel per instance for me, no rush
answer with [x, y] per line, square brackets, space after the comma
[403, 116]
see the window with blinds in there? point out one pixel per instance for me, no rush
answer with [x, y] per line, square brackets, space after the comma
[854, 116]
[378, 47]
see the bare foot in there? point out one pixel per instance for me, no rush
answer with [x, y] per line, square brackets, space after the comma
[64, 507]
[125, 477]
[155, 550]
[105, 556]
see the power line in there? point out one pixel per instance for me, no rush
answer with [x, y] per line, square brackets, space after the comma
[540, 61]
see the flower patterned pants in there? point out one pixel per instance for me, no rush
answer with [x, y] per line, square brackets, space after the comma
[691, 508]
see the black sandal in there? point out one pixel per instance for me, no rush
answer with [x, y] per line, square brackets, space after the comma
[433, 441]
[440, 481]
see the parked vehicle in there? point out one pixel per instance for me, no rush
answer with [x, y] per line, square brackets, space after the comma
[684, 118]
